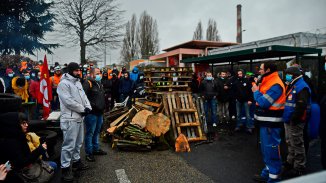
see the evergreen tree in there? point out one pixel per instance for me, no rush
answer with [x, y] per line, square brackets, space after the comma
[23, 25]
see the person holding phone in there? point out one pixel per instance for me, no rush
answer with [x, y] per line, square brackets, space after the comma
[14, 146]
[3, 171]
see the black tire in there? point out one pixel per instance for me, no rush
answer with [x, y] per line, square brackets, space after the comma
[51, 140]
[37, 125]
[10, 102]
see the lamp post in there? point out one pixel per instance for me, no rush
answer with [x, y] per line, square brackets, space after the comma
[106, 19]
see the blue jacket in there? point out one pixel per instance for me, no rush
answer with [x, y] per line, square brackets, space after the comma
[134, 74]
[126, 86]
[292, 99]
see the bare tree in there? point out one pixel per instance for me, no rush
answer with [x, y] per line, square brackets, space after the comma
[147, 36]
[198, 34]
[129, 50]
[212, 32]
[93, 23]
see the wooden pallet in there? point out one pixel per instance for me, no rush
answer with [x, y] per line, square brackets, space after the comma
[199, 103]
[184, 117]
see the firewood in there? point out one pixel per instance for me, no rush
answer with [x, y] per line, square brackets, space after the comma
[158, 124]
[141, 117]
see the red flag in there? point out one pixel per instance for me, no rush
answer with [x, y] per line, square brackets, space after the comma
[45, 94]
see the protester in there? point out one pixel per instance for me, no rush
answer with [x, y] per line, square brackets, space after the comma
[3, 172]
[270, 99]
[8, 80]
[209, 92]
[122, 72]
[134, 74]
[126, 87]
[54, 82]
[20, 87]
[2, 86]
[94, 120]
[223, 98]
[115, 70]
[74, 106]
[194, 85]
[244, 99]
[15, 145]
[296, 112]
[34, 90]
[115, 91]
[107, 86]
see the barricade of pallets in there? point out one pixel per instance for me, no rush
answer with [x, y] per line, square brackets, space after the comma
[183, 113]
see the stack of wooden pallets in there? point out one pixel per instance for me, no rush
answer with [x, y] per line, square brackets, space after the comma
[183, 113]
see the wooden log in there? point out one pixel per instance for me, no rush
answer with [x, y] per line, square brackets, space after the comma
[154, 104]
[119, 120]
[111, 130]
[150, 108]
[158, 124]
[140, 118]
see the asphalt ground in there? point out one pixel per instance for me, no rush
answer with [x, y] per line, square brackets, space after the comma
[231, 158]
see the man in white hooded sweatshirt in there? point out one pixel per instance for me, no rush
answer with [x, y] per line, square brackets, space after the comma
[74, 106]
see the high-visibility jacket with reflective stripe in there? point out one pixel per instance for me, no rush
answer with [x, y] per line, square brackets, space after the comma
[291, 99]
[272, 115]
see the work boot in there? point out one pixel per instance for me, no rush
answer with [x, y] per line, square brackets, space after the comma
[90, 158]
[100, 152]
[293, 173]
[286, 167]
[66, 174]
[259, 178]
[79, 165]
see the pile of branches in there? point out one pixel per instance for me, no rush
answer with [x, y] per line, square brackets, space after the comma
[137, 129]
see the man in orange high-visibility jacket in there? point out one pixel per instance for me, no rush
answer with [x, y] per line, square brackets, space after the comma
[270, 100]
[54, 82]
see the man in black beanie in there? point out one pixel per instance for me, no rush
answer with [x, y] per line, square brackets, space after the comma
[74, 105]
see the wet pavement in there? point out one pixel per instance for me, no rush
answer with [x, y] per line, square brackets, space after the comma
[229, 159]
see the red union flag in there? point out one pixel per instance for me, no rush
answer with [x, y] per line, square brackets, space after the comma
[45, 94]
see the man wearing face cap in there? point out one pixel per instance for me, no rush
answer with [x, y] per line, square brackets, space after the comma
[74, 106]
[295, 117]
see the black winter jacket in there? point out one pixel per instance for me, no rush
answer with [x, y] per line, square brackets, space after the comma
[95, 95]
[242, 90]
[209, 89]
[224, 94]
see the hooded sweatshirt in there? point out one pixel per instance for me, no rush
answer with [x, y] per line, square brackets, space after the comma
[134, 74]
[73, 99]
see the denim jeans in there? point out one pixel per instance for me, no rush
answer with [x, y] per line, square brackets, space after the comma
[210, 105]
[223, 111]
[249, 121]
[93, 124]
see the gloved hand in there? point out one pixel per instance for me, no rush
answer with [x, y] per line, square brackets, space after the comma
[86, 111]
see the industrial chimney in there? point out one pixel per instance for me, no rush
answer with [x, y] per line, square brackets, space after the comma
[239, 24]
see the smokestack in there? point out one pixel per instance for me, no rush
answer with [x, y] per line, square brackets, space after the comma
[239, 24]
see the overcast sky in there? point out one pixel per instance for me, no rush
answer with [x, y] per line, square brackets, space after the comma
[177, 20]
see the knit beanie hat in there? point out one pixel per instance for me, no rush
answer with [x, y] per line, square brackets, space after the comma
[72, 67]
[293, 70]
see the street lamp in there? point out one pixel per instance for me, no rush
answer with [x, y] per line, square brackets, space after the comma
[106, 19]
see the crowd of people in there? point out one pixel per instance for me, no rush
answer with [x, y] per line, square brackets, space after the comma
[84, 93]
[263, 100]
